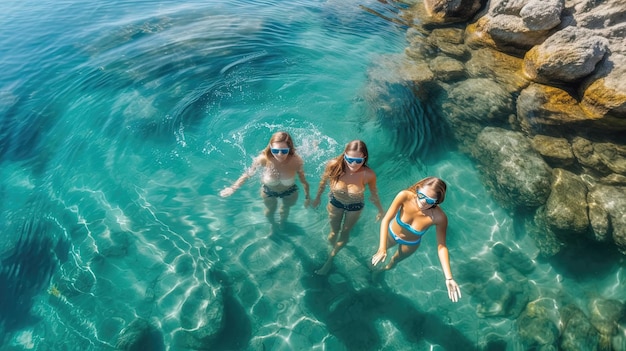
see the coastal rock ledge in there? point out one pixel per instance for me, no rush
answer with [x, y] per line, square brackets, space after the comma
[535, 92]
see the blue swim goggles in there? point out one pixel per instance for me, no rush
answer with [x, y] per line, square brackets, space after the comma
[351, 160]
[429, 200]
[284, 151]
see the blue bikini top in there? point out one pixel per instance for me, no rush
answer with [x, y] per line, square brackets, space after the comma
[408, 227]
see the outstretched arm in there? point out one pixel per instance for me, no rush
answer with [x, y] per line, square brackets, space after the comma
[381, 254]
[228, 191]
[454, 292]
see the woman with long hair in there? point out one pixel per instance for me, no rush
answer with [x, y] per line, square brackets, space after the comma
[280, 164]
[348, 175]
[410, 215]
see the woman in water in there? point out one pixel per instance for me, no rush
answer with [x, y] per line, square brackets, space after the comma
[348, 175]
[280, 164]
[408, 218]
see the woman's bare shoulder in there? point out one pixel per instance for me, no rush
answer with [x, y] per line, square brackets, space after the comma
[261, 160]
[369, 174]
[439, 216]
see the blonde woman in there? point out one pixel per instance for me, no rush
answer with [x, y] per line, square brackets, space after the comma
[348, 175]
[410, 215]
[280, 164]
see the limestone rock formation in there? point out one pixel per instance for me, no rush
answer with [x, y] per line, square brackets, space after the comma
[522, 178]
[568, 55]
[565, 212]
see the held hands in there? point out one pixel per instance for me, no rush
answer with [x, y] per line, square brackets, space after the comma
[454, 292]
[316, 202]
[226, 192]
[380, 216]
[307, 202]
[379, 257]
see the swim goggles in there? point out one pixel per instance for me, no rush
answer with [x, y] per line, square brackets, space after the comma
[429, 200]
[351, 160]
[284, 151]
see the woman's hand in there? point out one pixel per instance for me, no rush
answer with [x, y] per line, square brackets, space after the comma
[307, 202]
[316, 202]
[379, 257]
[454, 292]
[380, 216]
[226, 192]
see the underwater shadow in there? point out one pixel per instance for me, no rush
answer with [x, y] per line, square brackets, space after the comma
[236, 332]
[26, 270]
[418, 131]
[585, 261]
[351, 315]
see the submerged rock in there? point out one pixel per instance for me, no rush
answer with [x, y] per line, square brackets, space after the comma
[566, 208]
[607, 205]
[515, 259]
[548, 110]
[604, 158]
[538, 324]
[497, 298]
[473, 103]
[522, 179]
[578, 333]
[140, 335]
[495, 295]
[556, 151]
[545, 239]
[604, 315]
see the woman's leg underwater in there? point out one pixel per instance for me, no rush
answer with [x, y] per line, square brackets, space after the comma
[270, 208]
[403, 252]
[288, 201]
[340, 238]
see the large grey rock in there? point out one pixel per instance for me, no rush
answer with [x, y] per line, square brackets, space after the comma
[504, 297]
[566, 210]
[568, 55]
[542, 14]
[516, 173]
[545, 239]
[604, 93]
[556, 151]
[538, 325]
[447, 69]
[607, 205]
[516, 26]
[578, 333]
[544, 109]
[474, 103]
[604, 315]
[604, 158]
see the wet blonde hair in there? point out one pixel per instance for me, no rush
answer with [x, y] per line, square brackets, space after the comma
[435, 183]
[338, 168]
[279, 137]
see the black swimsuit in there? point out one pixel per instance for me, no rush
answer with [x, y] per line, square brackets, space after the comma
[349, 207]
[272, 193]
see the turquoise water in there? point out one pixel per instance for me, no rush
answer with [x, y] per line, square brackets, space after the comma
[121, 121]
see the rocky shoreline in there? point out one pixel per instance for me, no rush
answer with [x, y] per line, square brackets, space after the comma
[533, 92]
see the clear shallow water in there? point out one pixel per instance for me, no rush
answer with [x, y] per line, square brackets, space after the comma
[122, 121]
